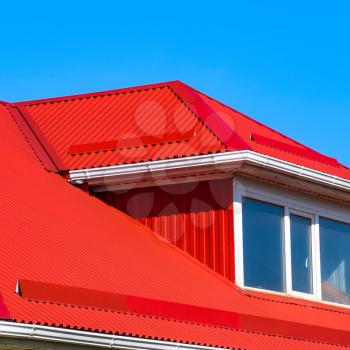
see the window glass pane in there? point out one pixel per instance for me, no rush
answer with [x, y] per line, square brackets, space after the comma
[300, 236]
[335, 261]
[262, 245]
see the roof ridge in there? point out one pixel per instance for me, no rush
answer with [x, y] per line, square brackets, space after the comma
[95, 94]
[202, 110]
[341, 165]
[185, 103]
[31, 137]
[256, 121]
[34, 138]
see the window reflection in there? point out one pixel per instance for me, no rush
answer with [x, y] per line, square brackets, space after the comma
[263, 245]
[300, 235]
[335, 261]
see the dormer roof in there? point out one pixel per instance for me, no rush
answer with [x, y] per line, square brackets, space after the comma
[154, 122]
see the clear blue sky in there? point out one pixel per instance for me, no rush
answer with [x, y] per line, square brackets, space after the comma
[285, 63]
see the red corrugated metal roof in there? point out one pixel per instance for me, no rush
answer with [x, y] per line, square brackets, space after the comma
[121, 126]
[54, 233]
[265, 140]
[153, 122]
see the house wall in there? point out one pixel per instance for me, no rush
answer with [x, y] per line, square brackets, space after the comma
[196, 217]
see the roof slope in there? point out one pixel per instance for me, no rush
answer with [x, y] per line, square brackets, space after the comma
[264, 140]
[54, 233]
[153, 122]
[121, 126]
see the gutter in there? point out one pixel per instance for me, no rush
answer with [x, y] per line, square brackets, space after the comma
[226, 161]
[74, 337]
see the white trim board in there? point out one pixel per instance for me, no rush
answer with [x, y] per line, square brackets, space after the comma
[213, 163]
[73, 337]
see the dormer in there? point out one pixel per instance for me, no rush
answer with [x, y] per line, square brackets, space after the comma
[264, 211]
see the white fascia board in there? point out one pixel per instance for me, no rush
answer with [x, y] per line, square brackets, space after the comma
[74, 337]
[154, 166]
[225, 161]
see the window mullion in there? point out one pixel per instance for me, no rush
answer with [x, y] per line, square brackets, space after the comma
[238, 232]
[316, 258]
[287, 252]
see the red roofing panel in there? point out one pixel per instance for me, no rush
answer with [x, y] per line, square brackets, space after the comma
[223, 130]
[4, 312]
[297, 150]
[55, 233]
[163, 329]
[121, 126]
[96, 299]
[32, 137]
[272, 143]
[107, 301]
[131, 142]
[153, 122]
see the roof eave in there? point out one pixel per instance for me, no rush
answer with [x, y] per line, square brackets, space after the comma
[23, 331]
[219, 164]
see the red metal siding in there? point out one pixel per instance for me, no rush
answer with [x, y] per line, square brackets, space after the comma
[197, 217]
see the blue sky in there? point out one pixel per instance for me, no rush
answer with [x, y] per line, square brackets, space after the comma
[285, 63]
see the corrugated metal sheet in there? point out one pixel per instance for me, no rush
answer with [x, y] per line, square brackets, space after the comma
[153, 122]
[101, 300]
[196, 217]
[117, 123]
[161, 329]
[4, 312]
[275, 144]
[53, 232]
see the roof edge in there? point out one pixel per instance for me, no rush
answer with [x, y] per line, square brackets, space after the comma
[68, 336]
[95, 94]
[220, 161]
[92, 339]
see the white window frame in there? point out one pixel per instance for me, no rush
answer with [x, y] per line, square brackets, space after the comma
[313, 242]
[298, 204]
